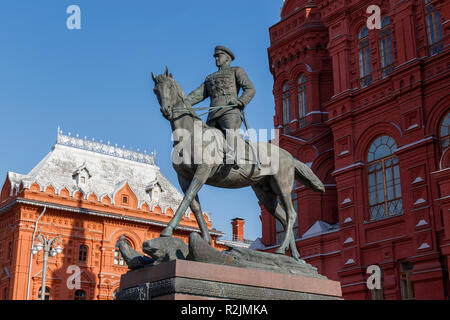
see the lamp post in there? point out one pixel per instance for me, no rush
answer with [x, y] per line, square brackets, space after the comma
[51, 247]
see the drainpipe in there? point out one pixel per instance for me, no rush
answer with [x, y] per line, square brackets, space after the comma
[31, 255]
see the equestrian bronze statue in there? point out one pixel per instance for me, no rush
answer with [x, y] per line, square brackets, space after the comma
[271, 182]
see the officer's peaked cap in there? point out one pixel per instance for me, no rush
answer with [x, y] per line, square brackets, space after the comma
[219, 49]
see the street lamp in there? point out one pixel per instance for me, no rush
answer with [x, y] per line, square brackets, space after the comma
[51, 247]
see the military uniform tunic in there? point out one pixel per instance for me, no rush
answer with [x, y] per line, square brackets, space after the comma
[222, 87]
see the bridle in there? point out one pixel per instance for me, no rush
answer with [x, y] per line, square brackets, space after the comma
[173, 85]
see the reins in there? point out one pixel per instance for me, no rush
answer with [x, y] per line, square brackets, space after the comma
[184, 108]
[188, 109]
[204, 108]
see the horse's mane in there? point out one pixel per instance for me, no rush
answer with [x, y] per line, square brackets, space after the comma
[163, 78]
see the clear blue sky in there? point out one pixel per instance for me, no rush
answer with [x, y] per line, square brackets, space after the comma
[96, 81]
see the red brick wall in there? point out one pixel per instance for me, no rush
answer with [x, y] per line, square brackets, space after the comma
[320, 40]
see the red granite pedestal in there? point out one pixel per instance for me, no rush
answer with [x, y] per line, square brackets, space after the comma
[189, 280]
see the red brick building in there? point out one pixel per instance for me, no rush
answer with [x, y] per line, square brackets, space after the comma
[88, 194]
[368, 110]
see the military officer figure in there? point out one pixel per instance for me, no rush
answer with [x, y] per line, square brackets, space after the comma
[222, 87]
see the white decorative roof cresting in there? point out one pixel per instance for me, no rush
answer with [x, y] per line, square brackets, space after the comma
[107, 169]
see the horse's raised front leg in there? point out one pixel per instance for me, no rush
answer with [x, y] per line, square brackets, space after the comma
[197, 209]
[199, 179]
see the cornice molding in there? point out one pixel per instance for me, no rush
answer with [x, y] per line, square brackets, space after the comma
[98, 214]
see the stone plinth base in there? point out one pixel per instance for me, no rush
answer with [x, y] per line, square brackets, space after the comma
[185, 280]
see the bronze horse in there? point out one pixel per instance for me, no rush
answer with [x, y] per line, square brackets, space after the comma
[270, 183]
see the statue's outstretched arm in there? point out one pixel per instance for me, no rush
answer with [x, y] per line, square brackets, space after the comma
[198, 95]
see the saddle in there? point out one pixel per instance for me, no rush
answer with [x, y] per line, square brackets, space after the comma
[245, 151]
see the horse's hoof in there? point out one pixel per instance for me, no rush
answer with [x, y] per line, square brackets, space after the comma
[167, 232]
[296, 258]
[280, 251]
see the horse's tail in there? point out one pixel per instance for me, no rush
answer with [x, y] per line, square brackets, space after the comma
[305, 175]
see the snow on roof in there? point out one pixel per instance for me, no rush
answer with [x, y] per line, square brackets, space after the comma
[319, 227]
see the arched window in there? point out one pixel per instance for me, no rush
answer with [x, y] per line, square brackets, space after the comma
[80, 295]
[387, 57]
[82, 255]
[286, 104]
[365, 66]
[434, 28]
[118, 259]
[385, 196]
[302, 110]
[444, 132]
[47, 293]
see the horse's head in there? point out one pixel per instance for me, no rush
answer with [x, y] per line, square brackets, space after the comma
[166, 90]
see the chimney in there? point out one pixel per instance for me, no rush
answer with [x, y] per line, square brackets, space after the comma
[238, 229]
